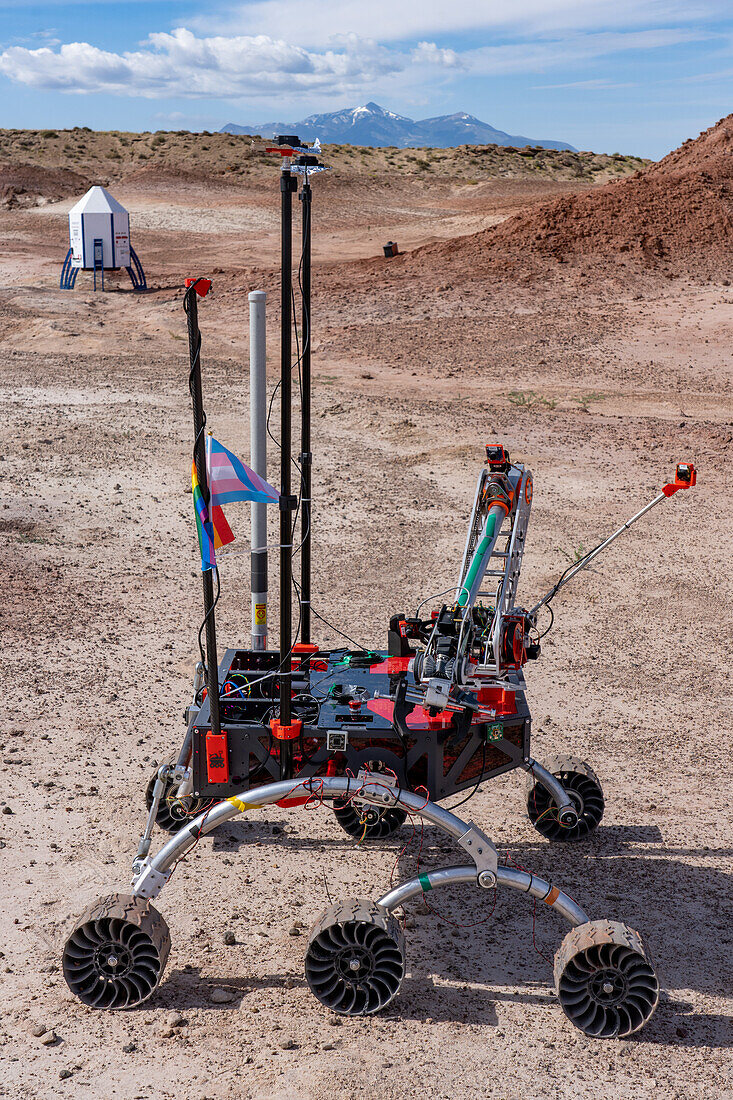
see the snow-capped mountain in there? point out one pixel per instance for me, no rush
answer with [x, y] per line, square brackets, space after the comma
[374, 125]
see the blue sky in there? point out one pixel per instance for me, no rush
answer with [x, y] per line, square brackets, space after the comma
[635, 76]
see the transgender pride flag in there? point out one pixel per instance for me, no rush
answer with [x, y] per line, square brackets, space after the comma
[230, 479]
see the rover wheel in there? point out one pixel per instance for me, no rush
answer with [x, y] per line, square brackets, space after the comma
[606, 984]
[369, 822]
[355, 960]
[585, 791]
[173, 812]
[117, 952]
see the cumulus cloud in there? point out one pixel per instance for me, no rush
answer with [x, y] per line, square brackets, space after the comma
[181, 64]
[430, 54]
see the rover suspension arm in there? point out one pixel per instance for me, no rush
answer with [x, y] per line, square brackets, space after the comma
[151, 875]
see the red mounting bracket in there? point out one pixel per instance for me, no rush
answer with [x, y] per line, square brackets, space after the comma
[286, 733]
[203, 286]
[685, 476]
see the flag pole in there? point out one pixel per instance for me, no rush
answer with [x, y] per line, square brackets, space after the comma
[306, 457]
[190, 303]
[288, 184]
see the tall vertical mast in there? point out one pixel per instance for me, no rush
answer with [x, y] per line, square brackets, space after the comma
[288, 184]
[306, 458]
[258, 449]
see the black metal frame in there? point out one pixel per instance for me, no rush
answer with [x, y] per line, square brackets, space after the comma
[445, 759]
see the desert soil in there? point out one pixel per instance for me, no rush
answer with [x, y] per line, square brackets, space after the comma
[600, 389]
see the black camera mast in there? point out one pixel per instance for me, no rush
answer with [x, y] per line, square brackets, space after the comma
[298, 159]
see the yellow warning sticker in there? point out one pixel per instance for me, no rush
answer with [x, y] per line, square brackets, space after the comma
[260, 614]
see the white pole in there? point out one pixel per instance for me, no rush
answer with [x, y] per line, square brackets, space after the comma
[258, 446]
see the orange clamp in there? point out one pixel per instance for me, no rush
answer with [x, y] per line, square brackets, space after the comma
[302, 653]
[286, 733]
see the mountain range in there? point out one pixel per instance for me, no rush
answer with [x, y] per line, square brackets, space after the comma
[374, 125]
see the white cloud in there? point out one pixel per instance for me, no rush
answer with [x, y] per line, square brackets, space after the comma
[542, 54]
[182, 64]
[315, 24]
[591, 85]
[429, 54]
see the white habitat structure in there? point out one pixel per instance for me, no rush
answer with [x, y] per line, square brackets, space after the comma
[99, 238]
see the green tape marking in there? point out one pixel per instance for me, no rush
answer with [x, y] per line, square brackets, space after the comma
[425, 883]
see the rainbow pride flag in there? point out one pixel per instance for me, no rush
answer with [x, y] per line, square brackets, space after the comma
[212, 533]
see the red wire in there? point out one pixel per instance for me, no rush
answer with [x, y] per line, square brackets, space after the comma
[508, 859]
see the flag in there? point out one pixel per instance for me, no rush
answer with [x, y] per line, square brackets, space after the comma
[213, 533]
[230, 479]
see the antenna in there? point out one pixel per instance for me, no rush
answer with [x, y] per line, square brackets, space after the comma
[298, 160]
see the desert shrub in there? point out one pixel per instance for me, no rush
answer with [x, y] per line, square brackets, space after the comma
[587, 399]
[529, 399]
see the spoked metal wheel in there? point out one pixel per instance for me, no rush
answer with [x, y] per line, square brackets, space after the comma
[369, 822]
[606, 984]
[173, 812]
[372, 822]
[117, 952]
[583, 788]
[355, 960]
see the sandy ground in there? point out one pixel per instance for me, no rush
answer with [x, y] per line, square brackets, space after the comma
[600, 396]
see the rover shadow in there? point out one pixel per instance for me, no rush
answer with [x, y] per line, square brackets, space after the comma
[233, 836]
[419, 999]
[622, 873]
[189, 988]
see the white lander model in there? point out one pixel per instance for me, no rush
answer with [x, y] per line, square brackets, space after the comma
[99, 239]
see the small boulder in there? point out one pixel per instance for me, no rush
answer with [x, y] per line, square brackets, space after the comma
[221, 996]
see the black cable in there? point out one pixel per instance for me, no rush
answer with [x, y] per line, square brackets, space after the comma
[403, 740]
[552, 620]
[306, 324]
[212, 609]
[269, 414]
[298, 354]
[573, 565]
[478, 782]
[296, 364]
[363, 648]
